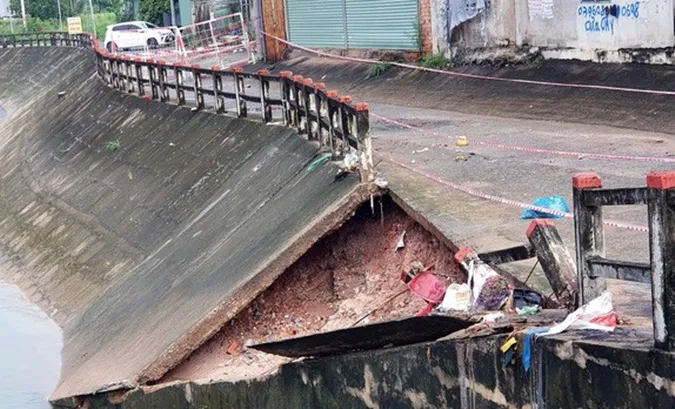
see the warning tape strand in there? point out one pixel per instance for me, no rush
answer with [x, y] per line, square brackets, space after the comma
[475, 76]
[502, 200]
[528, 148]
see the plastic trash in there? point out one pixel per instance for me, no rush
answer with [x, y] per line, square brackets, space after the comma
[462, 142]
[457, 298]
[556, 203]
[598, 314]
[428, 287]
[528, 310]
[527, 346]
[318, 162]
[489, 290]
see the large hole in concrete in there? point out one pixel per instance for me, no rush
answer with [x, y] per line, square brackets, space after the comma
[344, 277]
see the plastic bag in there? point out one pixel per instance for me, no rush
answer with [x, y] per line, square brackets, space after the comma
[457, 297]
[556, 203]
[598, 314]
[479, 272]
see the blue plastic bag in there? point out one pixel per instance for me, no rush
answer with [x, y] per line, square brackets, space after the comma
[556, 203]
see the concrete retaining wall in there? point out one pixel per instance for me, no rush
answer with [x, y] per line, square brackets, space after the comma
[600, 373]
[558, 24]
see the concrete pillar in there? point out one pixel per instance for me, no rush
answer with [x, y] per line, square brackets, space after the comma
[661, 210]
[555, 260]
[590, 236]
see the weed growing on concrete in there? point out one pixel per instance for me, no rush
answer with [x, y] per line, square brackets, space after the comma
[418, 35]
[112, 146]
[436, 61]
[377, 69]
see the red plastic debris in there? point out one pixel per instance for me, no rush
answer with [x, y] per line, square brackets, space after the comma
[426, 286]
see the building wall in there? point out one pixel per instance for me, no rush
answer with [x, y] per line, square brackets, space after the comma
[425, 26]
[4, 8]
[611, 25]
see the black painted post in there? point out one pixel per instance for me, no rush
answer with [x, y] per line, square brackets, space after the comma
[661, 210]
[139, 77]
[365, 146]
[162, 73]
[285, 95]
[346, 121]
[589, 234]
[319, 107]
[239, 90]
[131, 64]
[555, 260]
[296, 96]
[199, 95]
[180, 92]
[265, 107]
[115, 75]
[306, 90]
[153, 78]
[218, 88]
[333, 120]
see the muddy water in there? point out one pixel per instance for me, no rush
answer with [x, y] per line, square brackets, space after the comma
[30, 348]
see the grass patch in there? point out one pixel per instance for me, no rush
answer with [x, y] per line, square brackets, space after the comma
[112, 146]
[436, 61]
[377, 69]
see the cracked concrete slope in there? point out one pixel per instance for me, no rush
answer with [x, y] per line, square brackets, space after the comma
[144, 251]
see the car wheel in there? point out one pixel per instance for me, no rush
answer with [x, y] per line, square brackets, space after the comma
[110, 47]
[153, 44]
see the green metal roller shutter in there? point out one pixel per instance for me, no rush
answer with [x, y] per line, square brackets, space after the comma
[316, 23]
[382, 24]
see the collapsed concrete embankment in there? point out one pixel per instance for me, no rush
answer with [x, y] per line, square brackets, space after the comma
[145, 226]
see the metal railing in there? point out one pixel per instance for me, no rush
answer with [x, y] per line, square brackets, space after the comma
[592, 266]
[334, 121]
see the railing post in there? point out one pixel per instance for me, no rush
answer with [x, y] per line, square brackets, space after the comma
[153, 77]
[162, 74]
[139, 77]
[285, 95]
[345, 122]
[180, 93]
[266, 109]
[307, 90]
[320, 104]
[661, 213]
[114, 64]
[130, 64]
[197, 86]
[296, 116]
[333, 109]
[590, 236]
[365, 146]
[239, 90]
[218, 88]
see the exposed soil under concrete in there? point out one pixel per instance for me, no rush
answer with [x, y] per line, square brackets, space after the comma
[341, 279]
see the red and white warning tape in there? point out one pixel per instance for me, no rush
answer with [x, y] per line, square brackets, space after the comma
[498, 199]
[528, 148]
[476, 76]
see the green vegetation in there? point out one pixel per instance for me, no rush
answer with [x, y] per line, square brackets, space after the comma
[378, 69]
[112, 146]
[418, 35]
[37, 25]
[152, 10]
[436, 61]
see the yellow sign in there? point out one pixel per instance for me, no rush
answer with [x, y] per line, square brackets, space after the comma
[74, 25]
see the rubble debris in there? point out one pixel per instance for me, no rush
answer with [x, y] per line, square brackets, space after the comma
[401, 242]
[462, 142]
[234, 348]
[381, 183]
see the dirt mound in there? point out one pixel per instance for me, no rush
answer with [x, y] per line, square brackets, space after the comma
[344, 277]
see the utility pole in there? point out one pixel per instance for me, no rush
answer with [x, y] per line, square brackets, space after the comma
[173, 14]
[93, 20]
[11, 19]
[58, 2]
[23, 12]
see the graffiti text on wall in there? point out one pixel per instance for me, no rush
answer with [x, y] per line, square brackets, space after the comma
[601, 18]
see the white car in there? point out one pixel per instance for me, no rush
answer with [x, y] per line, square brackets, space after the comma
[136, 34]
